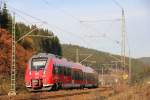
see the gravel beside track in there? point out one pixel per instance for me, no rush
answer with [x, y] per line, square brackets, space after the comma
[74, 94]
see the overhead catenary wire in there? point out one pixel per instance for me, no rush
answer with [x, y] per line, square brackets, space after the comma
[74, 17]
[24, 13]
[19, 15]
[79, 20]
[23, 18]
[82, 21]
[99, 20]
[95, 29]
[66, 13]
[120, 6]
[61, 10]
[1, 2]
[104, 35]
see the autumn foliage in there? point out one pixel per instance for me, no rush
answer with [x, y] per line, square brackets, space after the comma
[22, 55]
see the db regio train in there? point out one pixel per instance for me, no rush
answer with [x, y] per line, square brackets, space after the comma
[46, 71]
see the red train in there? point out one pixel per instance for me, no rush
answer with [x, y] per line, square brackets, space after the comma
[48, 72]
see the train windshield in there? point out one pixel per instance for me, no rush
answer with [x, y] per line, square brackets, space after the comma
[38, 64]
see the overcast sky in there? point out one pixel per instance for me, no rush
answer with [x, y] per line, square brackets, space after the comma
[100, 29]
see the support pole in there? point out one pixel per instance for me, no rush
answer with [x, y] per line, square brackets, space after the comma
[130, 67]
[102, 75]
[116, 67]
[77, 55]
[12, 91]
[123, 42]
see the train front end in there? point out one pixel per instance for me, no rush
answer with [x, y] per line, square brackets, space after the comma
[38, 74]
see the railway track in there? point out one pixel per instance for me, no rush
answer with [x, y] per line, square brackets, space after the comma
[54, 95]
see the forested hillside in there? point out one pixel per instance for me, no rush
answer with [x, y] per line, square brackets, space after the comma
[145, 60]
[39, 43]
[139, 69]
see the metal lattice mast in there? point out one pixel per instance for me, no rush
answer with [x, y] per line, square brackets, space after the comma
[1, 4]
[77, 55]
[12, 91]
[123, 42]
[130, 66]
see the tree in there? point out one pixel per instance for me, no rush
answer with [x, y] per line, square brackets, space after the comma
[46, 45]
[0, 18]
[6, 19]
[56, 47]
[27, 43]
[51, 46]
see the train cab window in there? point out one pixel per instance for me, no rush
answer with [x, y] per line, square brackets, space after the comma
[38, 63]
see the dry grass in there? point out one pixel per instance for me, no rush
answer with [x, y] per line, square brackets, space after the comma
[140, 92]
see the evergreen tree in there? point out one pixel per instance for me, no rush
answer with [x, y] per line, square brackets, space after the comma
[56, 47]
[46, 45]
[51, 46]
[0, 18]
[60, 50]
[5, 20]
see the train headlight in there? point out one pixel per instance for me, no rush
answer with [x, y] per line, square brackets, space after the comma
[27, 84]
[30, 73]
[44, 72]
[45, 82]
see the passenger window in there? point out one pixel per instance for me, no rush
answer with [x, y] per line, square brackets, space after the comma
[55, 69]
[68, 71]
[65, 71]
[59, 70]
[72, 74]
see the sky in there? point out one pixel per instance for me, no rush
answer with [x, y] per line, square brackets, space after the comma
[93, 24]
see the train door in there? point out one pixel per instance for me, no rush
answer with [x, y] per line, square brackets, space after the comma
[72, 77]
[67, 77]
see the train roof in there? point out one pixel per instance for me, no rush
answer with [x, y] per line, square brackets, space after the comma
[89, 70]
[65, 62]
[48, 55]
